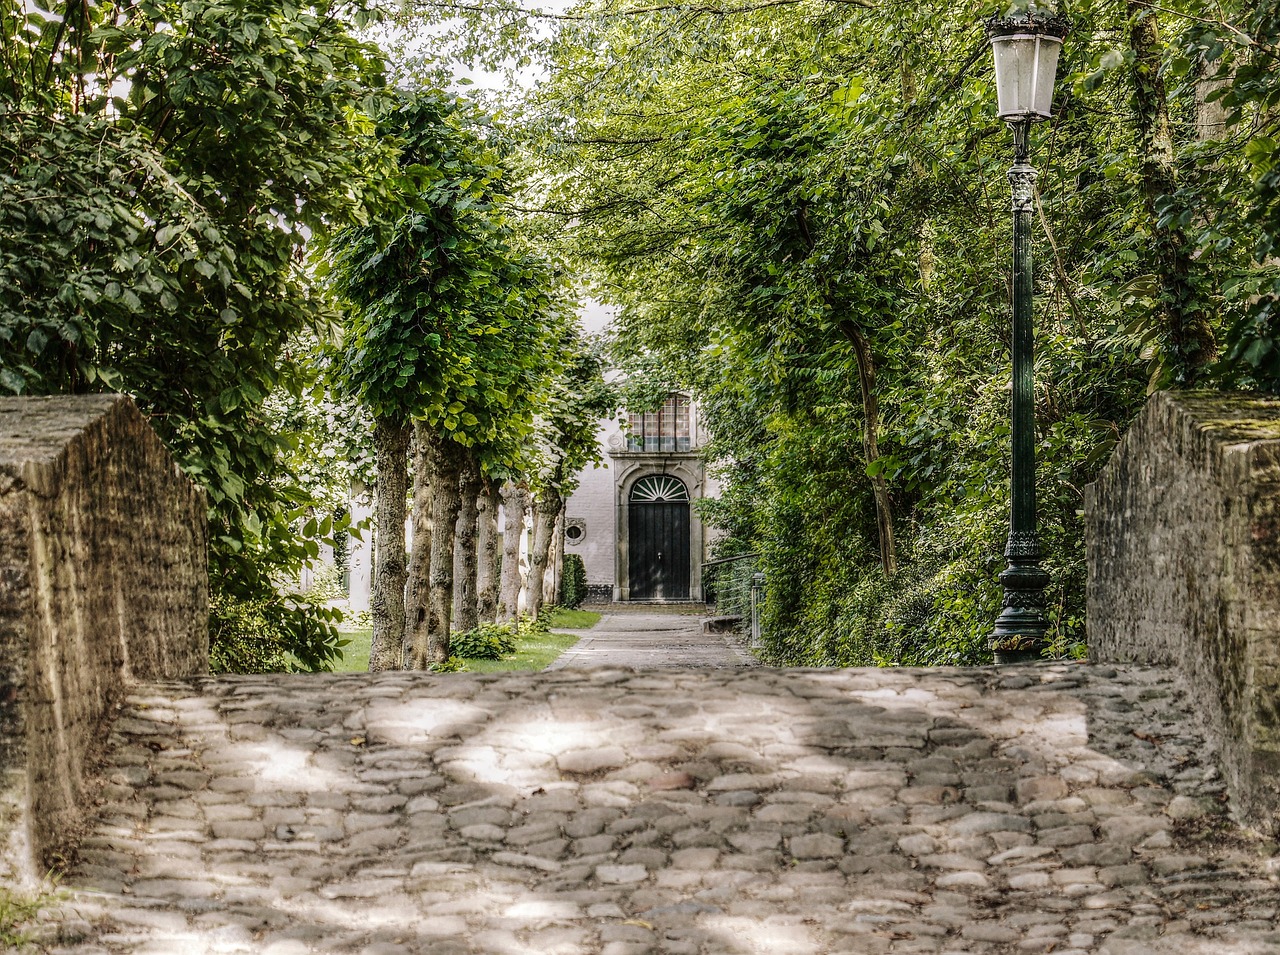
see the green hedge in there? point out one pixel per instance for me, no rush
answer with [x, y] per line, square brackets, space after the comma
[573, 582]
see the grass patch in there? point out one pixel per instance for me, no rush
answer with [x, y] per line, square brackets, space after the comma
[355, 655]
[533, 652]
[17, 913]
[573, 619]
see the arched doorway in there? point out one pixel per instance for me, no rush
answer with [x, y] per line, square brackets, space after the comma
[658, 539]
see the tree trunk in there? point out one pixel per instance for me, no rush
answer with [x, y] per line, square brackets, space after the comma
[391, 447]
[515, 501]
[1187, 333]
[417, 598]
[1214, 76]
[489, 553]
[871, 443]
[871, 414]
[446, 461]
[1211, 117]
[465, 544]
[555, 560]
[546, 509]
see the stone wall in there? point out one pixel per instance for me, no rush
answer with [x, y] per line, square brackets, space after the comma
[1183, 541]
[103, 580]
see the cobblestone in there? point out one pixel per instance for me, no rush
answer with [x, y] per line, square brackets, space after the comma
[701, 811]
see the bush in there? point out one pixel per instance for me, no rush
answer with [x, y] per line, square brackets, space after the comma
[242, 639]
[326, 584]
[487, 642]
[936, 610]
[573, 582]
[454, 664]
[540, 624]
[271, 636]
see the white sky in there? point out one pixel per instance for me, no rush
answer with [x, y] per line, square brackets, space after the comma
[595, 316]
[486, 79]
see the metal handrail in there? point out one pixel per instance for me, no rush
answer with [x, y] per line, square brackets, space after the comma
[728, 584]
[726, 560]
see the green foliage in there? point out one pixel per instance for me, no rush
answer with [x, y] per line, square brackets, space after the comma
[270, 635]
[487, 642]
[757, 188]
[531, 626]
[567, 439]
[454, 664]
[451, 320]
[492, 641]
[534, 652]
[161, 167]
[573, 582]
[327, 584]
[535, 646]
[1249, 94]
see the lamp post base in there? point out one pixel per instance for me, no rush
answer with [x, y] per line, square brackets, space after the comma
[1021, 628]
[1005, 657]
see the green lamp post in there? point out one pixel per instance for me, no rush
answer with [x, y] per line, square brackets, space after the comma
[1026, 48]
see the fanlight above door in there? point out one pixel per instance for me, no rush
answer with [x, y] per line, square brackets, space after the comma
[659, 489]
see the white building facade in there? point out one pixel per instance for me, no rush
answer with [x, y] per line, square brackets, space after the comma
[634, 520]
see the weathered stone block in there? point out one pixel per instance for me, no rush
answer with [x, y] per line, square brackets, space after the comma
[103, 580]
[1183, 542]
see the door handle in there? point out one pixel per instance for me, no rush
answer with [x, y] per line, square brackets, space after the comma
[659, 555]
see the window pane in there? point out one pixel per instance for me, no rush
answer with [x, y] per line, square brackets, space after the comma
[667, 428]
[635, 429]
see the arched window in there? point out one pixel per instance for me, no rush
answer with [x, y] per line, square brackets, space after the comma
[667, 428]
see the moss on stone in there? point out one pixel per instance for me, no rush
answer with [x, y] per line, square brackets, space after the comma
[1233, 416]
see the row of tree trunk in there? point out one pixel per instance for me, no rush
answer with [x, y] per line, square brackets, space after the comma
[463, 571]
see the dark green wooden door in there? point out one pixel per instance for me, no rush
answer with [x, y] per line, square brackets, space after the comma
[658, 540]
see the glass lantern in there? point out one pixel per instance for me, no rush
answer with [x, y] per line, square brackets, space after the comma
[1026, 49]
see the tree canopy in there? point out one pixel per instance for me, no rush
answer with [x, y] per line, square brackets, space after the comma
[802, 211]
[453, 318]
[163, 166]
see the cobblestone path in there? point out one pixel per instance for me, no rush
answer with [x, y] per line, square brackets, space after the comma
[1063, 809]
[649, 640]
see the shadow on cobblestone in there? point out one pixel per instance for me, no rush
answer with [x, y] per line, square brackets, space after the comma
[1061, 809]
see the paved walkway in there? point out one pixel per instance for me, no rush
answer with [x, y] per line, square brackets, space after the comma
[1065, 809]
[647, 640]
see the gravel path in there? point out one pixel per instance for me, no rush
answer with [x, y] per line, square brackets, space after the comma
[1064, 809]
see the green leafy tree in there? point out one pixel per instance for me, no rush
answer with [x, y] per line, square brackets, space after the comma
[447, 335]
[1238, 62]
[803, 217]
[566, 441]
[163, 166]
